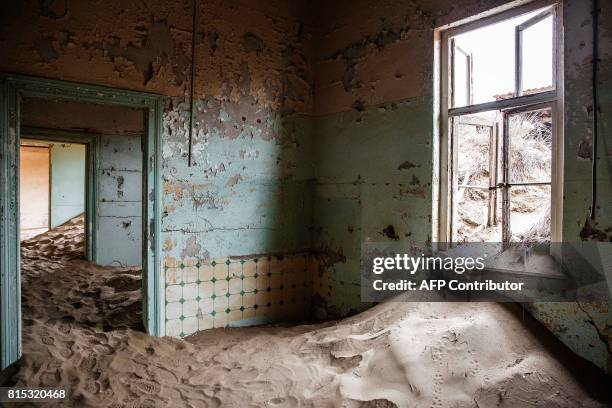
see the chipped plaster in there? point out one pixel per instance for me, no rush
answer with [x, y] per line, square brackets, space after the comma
[294, 115]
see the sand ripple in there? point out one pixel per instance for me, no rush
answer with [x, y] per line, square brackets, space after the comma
[83, 332]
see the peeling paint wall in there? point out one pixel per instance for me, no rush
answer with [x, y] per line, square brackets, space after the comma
[247, 199]
[578, 122]
[312, 133]
[248, 195]
[585, 327]
[373, 134]
[373, 184]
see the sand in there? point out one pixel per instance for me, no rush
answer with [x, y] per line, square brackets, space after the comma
[82, 332]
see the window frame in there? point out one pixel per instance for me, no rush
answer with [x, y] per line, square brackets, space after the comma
[518, 42]
[456, 51]
[506, 152]
[494, 153]
[443, 204]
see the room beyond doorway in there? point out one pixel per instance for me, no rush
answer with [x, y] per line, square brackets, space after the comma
[52, 185]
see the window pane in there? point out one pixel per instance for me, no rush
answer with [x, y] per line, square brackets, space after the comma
[476, 218]
[537, 57]
[530, 213]
[473, 159]
[473, 222]
[461, 79]
[530, 136]
[493, 58]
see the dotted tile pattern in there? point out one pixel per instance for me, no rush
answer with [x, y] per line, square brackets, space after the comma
[235, 292]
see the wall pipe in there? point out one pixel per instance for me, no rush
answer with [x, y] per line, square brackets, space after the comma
[595, 64]
[193, 38]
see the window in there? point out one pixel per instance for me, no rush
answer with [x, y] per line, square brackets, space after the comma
[501, 145]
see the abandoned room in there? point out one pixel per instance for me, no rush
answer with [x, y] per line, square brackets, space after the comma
[194, 196]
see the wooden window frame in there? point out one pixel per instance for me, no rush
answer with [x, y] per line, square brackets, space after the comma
[444, 108]
[455, 52]
[493, 130]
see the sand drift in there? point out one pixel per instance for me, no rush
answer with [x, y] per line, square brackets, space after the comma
[82, 332]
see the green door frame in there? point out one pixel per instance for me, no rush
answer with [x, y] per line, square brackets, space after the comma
[12, 89]
[90, 141]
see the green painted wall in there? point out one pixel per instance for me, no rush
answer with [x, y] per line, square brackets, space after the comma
[374, 122]
[247, 193]
[269, 176]
[373, 183]
[247, 197]
[119, 221]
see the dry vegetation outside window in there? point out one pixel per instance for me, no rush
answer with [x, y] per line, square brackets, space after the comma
[479, 209]
[500, 92]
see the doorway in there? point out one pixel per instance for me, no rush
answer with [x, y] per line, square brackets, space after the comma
[13, 91]
[71, 178]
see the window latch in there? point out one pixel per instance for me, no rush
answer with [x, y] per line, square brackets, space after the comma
[498, 185]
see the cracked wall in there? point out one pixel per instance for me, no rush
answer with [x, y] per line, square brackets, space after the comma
[373, 135]
[586, 326]
[247, 197]
[294, 119]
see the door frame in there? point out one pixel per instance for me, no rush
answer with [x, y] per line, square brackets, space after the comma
[90, 140]
[12, 88]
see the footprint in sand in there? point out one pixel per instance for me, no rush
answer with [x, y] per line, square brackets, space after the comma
[147, 387]
[347, 363]
[104, 349]
[88, 363]
[48, 340]
[64, 327]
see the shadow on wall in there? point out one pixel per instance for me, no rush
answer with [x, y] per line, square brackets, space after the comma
[236, 224]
